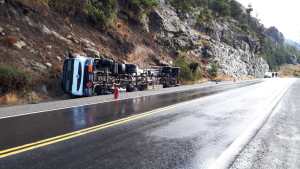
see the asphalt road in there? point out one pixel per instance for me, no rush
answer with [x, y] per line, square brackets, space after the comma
[192, 134]
[277, 145]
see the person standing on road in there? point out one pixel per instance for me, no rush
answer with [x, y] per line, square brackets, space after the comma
[116, 91]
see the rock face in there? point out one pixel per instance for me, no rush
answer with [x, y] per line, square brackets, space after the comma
[235, 53]
[237, 62]
[171, 31]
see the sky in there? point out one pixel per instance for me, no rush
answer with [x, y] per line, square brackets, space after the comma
[283, 14]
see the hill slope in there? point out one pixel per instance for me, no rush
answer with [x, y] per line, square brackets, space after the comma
[36, 35]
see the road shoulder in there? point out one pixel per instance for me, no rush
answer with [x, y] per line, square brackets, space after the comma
[277, 144]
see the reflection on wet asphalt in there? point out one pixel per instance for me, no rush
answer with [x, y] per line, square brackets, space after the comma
[26, 129]
[190, 136]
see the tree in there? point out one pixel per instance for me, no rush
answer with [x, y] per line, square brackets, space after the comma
[221, 7]
[235, 9]
[249, 10]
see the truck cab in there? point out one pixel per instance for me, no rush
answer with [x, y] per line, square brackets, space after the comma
[78, 76]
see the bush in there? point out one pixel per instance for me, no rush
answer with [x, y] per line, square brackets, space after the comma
[221, 7]
[142, 4]
[213, 70]
[244, 28]
[188, 5]
[189, 71]
[98, 11]
[67, 7]
[236, 9]
[205, 16]
[12, 78]
[182, 5]
[101, 12]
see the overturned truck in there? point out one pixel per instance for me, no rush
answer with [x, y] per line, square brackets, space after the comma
[86, 76]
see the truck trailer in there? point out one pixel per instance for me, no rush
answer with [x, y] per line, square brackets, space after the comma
[87, 76]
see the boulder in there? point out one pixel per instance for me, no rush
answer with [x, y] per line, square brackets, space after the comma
[38, 66]
[92, 52]
[47, 31]
[20, 44]
[49, 65]
[87, 43]
[49, 47]
[59, 58]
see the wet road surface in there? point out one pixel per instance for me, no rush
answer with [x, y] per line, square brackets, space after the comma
[191, 135]
[277, 145]
[20, 130]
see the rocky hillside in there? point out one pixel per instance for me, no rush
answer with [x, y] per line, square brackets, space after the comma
[233, 51]
[36, 35]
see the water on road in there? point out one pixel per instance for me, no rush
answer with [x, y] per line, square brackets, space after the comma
[191, 135]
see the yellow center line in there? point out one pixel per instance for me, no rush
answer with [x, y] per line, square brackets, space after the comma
[64, 137]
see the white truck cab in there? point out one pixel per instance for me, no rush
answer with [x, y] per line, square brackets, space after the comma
[77, 78]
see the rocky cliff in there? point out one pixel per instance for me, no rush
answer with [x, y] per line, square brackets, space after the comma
[235, 53]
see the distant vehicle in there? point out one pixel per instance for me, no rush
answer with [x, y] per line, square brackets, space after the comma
[271, 75]
[86, 76]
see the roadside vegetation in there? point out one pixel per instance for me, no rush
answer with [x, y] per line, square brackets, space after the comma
[12, 79]
[213, 70]
[190, 71]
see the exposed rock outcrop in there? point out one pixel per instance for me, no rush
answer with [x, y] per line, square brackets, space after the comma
[234, 52]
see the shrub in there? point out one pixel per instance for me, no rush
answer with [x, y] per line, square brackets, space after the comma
[205, 16]
[188, 5]
[12, 78]
[67, 7]
[101, 12]
[244, 28]
[221, 7]
[235, 9]
[142, 4]
[138, 10]
[189, 71]
[213, 70]
[182, 5]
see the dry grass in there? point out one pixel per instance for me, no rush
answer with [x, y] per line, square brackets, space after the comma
[290, 71]
[9, 99]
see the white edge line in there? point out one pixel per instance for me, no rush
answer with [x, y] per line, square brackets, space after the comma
[112, 100]
[227, 158]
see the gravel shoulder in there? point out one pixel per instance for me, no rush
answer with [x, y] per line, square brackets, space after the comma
[277, 145]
